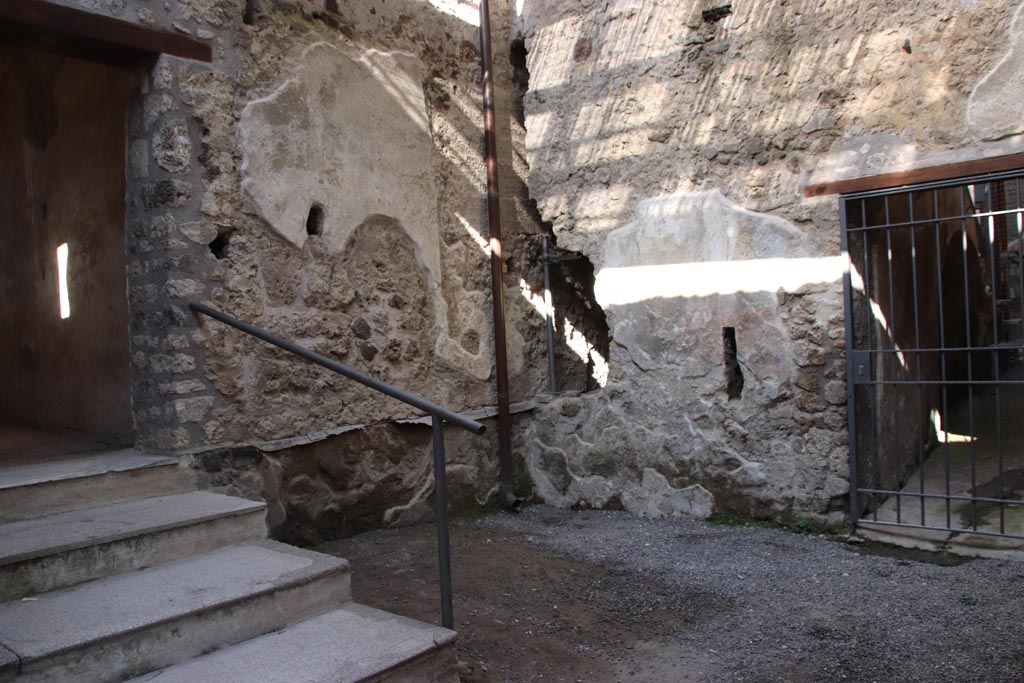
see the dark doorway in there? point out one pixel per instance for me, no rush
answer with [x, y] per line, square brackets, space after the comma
[64, 351]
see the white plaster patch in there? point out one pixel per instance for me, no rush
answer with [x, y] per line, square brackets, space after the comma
[691, 263]
[350, 134]
[702, 244]
[688, 227]
[995, 108]
[655, 497]
[463, 10]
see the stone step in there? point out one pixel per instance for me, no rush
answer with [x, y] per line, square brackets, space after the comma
[8, 665]
[45, 553]
[354, 643]
[80, 481]
[125, 625]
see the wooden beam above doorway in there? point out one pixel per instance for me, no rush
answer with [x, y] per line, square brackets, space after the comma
[93, 37]
[928, 174]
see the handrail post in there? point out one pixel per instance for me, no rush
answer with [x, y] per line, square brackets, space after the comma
[438, 415]
[444, 561]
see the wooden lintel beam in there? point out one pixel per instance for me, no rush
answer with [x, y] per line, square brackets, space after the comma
[90, 36]
[929, 174]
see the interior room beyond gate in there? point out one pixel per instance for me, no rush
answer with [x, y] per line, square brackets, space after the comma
[937, 293]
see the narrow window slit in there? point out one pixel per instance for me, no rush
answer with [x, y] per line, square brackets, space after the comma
[62, 281]
[733, 373]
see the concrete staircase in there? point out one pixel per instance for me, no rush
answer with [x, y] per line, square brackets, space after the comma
[111, 568]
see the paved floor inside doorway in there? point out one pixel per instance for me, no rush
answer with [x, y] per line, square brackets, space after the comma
[24, 445]
[984, 455]
[603, 597]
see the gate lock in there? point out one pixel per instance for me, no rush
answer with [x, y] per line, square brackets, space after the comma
[861, 361]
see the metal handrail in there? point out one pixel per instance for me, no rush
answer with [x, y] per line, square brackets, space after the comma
[439, 415]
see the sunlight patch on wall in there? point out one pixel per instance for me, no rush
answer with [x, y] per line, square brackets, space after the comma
[857, 284]
[62, 281]
[474, 235]
[463, 10]
[574, 338]
[632, 284]
[946, 437]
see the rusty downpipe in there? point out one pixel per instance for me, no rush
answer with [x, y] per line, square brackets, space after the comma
[506, 489]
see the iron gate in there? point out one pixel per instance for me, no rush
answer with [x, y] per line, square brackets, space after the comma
[935, 364]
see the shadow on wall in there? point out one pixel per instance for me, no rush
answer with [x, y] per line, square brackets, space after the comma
[757, 89]
[634, 111]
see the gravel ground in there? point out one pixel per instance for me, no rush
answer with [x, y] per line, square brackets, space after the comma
[595, 596]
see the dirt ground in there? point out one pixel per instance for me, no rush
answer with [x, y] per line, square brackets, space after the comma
[555, 595]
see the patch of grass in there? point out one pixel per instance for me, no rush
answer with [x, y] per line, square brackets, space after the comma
[479, 511]
[802, 526]
[797, 526]
[724, 518]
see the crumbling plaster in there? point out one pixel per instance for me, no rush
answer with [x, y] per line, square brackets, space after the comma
[667, 139]
[630, 106]
[396, 283]
[995, 109]
[349, 135]
[413, 169]
[385, 139]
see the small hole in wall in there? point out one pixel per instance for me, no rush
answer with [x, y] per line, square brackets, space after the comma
[249, 15]
[733, 373]
[315, 220]
[715, 14]
[219, 246]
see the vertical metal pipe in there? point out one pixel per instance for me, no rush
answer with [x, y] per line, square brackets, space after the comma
[549, 319]
[505, 486]
[444, 561]
[1020, 267]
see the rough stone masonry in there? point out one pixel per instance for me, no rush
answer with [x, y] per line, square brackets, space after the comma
[322, 178]
[669, 142]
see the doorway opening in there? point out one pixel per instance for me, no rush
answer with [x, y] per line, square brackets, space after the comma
[935, 304]
[64, 343]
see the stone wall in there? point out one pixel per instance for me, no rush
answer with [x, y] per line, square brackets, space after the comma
[669, 142]
[361, 479]
[323, 178]
[358, 228]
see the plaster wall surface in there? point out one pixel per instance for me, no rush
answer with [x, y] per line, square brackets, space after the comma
[374, 118]
[62, 181]
[366, 117]
[669, 142]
